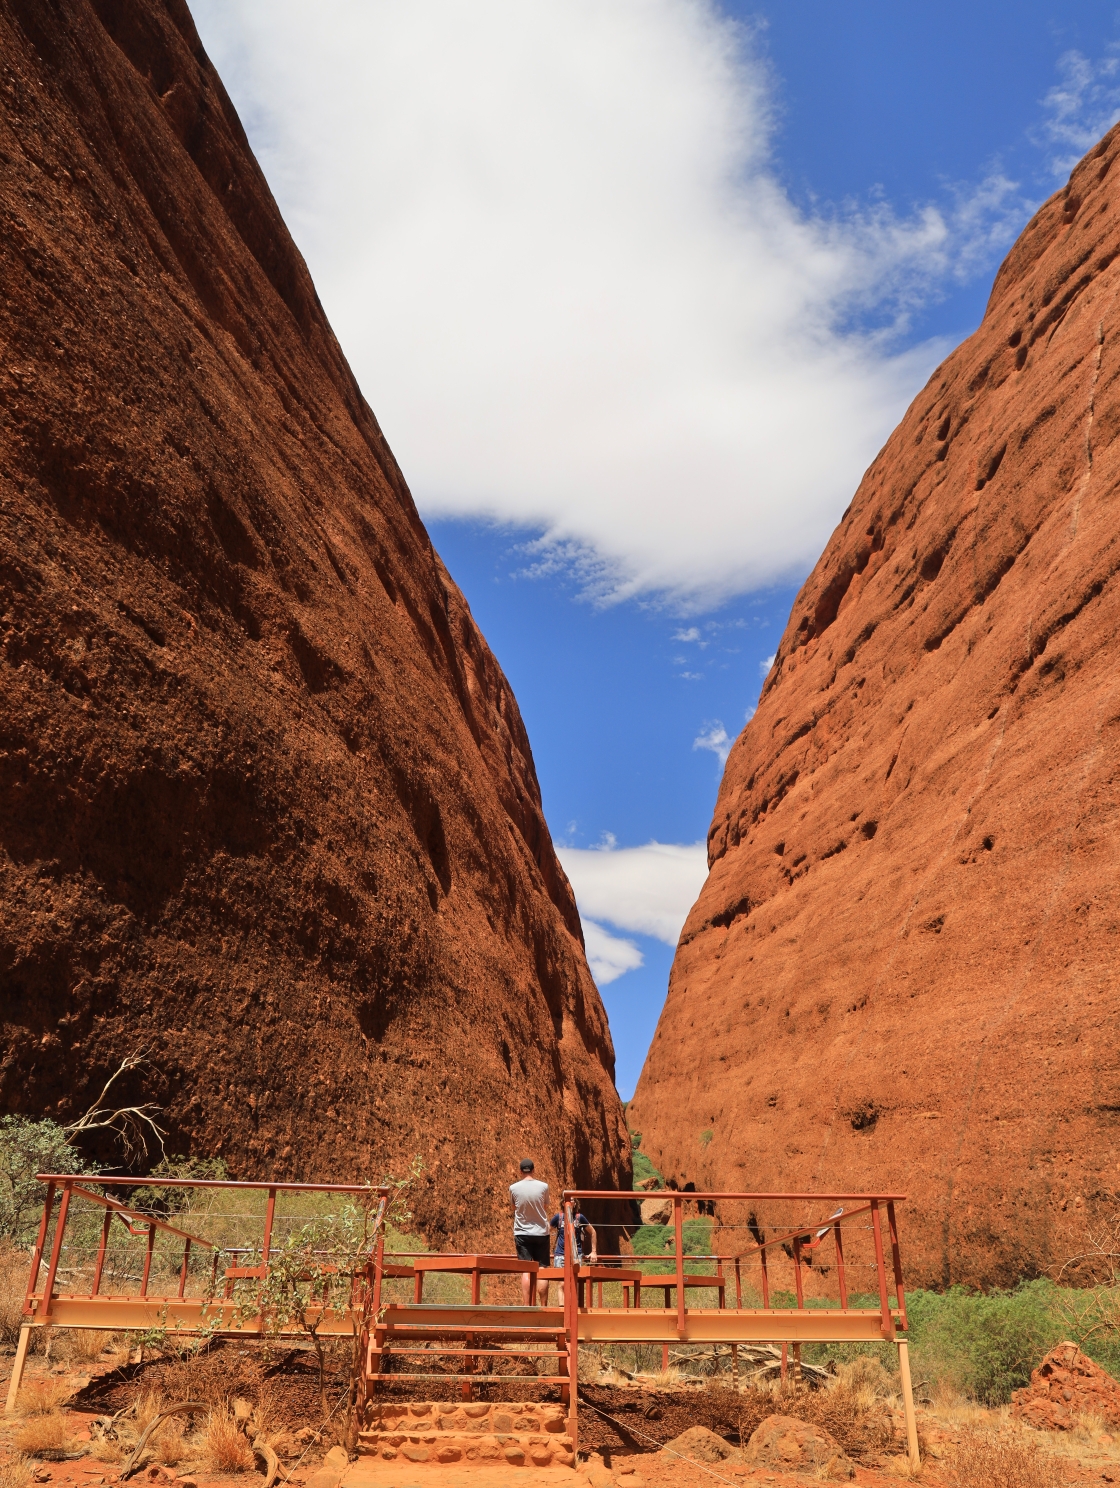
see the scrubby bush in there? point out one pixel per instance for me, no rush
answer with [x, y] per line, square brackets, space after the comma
[986, 1459]
[28, 1147]
[985, 1345]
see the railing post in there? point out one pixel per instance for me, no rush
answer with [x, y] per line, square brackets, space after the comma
[37, 1253]
[840, 1273]
[571, 1323]
[765, 1275]
[98, 1270]
[896, 1256]
[56, 1251]
[148, 1260]
[913, 1451]
[887, 1325]
[678, 1230]
[800, 1303]
[269, 1216]
[738, 1287]
[17, 1369]
[183, 1268]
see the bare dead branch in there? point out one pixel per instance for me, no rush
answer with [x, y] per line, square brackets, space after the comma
[131, 1124]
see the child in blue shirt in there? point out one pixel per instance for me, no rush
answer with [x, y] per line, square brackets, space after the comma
[583, 1228]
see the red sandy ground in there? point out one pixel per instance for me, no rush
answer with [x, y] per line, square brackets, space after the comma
[1098, 1464]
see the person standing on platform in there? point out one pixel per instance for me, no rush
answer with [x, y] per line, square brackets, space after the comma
[583, 1256]
[530, 1227]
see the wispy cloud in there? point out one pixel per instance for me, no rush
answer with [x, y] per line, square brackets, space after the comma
[609, 956]
[715, 738]
[765, 665]
[647, 890]
[691, 634]
[572, 286]
[1080, 107]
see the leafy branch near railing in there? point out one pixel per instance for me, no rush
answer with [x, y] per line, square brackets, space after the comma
[323, 1267]
[26, 1148]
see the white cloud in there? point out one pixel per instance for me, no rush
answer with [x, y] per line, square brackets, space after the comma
[1081, 107]
[764, 666]
[609, 956]
[553, 245]
[647, 890]
[716, 739]
[691, 634]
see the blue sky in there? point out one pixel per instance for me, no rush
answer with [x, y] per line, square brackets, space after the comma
[637, 291]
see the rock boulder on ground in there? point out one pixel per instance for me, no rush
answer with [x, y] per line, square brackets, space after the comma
[268, 809]
[1065, 1386]
[796, 1446]
[657, 1211]
[699, 1444]
[900, 974]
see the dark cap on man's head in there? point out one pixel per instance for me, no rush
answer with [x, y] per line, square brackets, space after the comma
[527, 1165]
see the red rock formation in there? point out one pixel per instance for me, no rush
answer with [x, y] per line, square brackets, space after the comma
[1065, 1386]
[901, 971]
[267, 806]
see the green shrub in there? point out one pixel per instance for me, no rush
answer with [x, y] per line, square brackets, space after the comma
[655, 1240]
[986, 1345]
[28, 1147]
[644, 1169]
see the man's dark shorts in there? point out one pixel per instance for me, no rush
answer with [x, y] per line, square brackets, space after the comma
[533, 1248]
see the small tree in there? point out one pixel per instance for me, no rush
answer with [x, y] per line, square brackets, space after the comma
[28, 1147]
[324, 1267]
[1089, 1299]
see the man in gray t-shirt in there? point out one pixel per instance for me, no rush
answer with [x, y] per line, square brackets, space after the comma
[530, 1226]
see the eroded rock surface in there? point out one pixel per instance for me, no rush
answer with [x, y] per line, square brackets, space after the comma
[267, 806]
[901, 971]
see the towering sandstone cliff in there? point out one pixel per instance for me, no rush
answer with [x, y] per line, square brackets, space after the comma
[267, 807]
[902, 970]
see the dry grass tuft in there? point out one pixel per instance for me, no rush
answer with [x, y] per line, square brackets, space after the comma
[15, 1473]
[167, 1443]
[148, 1405]
[84, 1345]
[105, 1449]
[267, 1414]
[42, 1394]
[13, 1286]
[1088, 1429]
[854, 1416]
[867, 1375]
[45, 1436]
[902, 1467]
[224, 1446]
[986, 1459]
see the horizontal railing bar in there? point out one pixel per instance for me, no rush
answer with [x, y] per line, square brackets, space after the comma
[479, 1379]
[226, 1183]
[147, 1219]
[691, 1197]
[476, 1353]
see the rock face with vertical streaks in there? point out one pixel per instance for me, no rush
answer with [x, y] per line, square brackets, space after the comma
[267, 806]
[902, 970]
